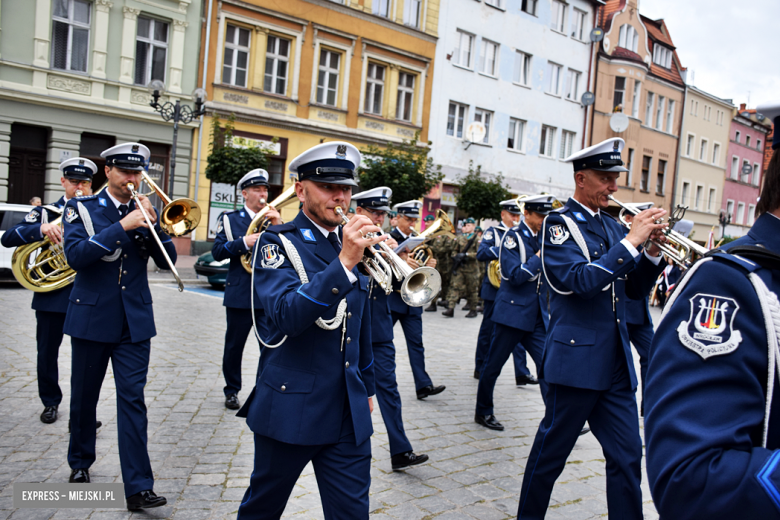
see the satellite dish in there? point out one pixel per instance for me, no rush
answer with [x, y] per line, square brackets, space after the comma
[618, 122]
[745, 114]
[760, 117]
[588, 98]
[597, 34]
[475, 132]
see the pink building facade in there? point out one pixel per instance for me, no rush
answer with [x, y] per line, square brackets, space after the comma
[744, 168]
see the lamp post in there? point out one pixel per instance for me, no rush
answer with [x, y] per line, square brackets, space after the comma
[176, 112]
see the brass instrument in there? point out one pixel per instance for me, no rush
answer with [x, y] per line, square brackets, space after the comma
[679, 249]
[419, 286]
[260, 223]
[179, 216]
[41, 266]
[442, 226]
[494, 273]
[134, 194]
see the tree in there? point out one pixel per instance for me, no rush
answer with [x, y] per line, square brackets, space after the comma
[479, 197]
[227, 163]
[405, 168]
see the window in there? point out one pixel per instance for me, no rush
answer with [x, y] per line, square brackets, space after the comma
[70, 35]
[529, 6]
[554, 75]
[381, 7]
[328, 78]
[711, 200]
[716, 154]
[630, 167]
[375, 84]
[403, 110]
[649, 109]
[703, 150]
[635, 101]
[751, 214]
[462, 53]
[730, 209]
[151, 47]
[455, 118]
[686, 191]
[689, 145]
[697, 199]
[758, 144]
[487, 57]
[234, 70]
[412, 13]
[485, 117]
[659, 112]
[756, 173]
[662, 56]
[746, 176]
[578, 24]
[516, 134]
[629, 38]
[692, 107]
[567, 144]
[740, 213]
[735, 167]
[558, 15]
[739, 134]
[669, 116]
[522, 72]
[277, 56]
[620, 92]
[573, 85]
[644, 183]
[546, 141]
[747, 140]
[494, 3]
[719, 122]
[659, 184]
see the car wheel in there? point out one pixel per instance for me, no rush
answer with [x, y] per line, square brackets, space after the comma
[218, 286]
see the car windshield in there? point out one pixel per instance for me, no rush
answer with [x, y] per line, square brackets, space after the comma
[10, 218]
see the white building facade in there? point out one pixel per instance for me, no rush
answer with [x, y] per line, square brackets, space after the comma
[520, 67]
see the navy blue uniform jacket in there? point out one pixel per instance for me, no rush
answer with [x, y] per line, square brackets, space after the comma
[704, 414]
[305, 384]
[28, 231]
[237, 293]
[381, 319]
[109, 289]
[517, 302]
[488, 251]
[586, 334]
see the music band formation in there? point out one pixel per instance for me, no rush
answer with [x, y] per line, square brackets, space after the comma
[563, 282]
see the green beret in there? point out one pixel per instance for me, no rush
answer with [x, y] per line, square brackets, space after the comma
[470, 221]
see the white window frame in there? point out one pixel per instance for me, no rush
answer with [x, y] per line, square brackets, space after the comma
[657, 177]
[405, 93]
[531, 7]
[71, 23]
[751, 214]
[516, 132]
[547, 141]
[698, 196]
[742, 176]
[151, 44]
[459, 51]
[756, 174]
[462, 115]
[711, 196]
[737, 136]
[486, 118]
[522, 68]
[413, 13]
[372, 84]
[704, 148]
[329, 71]
[558, 18]
[758, 144]
[622, 91]
[716, 153]
[236, 47]
[630, 167]
[498, 4]
[554, 76]
[659, 113]
[670, 105]
[567, 144]
[649, 173]
[628, 37]
[649, 103]
[730, 209]
[662, 56]
[637, 98]
[740, 218]
[484, 51]
[690, 145]
[735, 173]
[277, 58]
[573, 84]
[685, 193]
[579, 23]
[747, 140]
[381, 8]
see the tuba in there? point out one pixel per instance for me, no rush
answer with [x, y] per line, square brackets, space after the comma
[442, 226]
[260, 223]
[41, 266]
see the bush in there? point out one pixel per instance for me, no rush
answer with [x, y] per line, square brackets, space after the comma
[479, 197]
[226, 163]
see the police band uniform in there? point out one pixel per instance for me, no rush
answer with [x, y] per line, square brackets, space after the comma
[375, 201]
[587, 360]
[311, 399]
[230, 243]
[517, 313]
[110, 317]
[50, 307]
[411, 317]
[465, 270]
[712, 414]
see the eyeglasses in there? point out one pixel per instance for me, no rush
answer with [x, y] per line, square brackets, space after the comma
[77, 183]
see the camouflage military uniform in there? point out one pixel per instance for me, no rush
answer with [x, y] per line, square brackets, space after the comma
[464, 283]
[442, 249]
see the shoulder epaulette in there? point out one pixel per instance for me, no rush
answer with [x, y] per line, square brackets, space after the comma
[748, 266]
[281, 228]
[84, 197]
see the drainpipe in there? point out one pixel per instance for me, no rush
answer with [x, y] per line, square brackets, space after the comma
[203, 86]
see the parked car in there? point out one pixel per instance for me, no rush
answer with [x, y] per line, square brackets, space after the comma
[214, 271]
[10, 215]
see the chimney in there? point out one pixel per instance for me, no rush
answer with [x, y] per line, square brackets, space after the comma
[742, 107]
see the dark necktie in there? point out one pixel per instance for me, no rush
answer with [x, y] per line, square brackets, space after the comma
[601, 222]
[333, 238]
[123, 208]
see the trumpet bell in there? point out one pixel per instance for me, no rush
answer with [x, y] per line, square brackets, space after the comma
[421, 286]
[180, 216]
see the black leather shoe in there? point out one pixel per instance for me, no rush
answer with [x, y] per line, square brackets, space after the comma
[79, 476]
[584, 431]
[49, 414]
[449, 313]
[231, 402]
[476, 374]
[431, 307]
[489, 421]
[98, 424]
[466, 307]
[145, 500]
[426, 391]
[472, 314]
[404, 460]
[526, 380]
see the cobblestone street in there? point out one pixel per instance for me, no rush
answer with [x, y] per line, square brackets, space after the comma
[202, 454]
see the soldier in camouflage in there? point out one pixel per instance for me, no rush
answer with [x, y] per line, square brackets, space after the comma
[464, 271]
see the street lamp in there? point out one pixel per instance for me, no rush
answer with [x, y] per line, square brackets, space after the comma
[176, 112]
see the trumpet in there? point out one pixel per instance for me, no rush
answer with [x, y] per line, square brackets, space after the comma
[680, 251]
[260, 222]
[134, 194]
[418, 286]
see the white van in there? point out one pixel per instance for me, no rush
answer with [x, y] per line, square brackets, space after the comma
[10, 215]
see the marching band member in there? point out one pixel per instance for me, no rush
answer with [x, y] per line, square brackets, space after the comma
[312, 401]
[373, 204]
[233, 244]
[591, 265]
[108, 242]
[50, 307]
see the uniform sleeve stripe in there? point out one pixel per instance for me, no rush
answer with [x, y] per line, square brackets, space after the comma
[310, 298]
[527, 271]
[602, 267]
[764, 478]
[372, 362]
[20, 235]
[92, 239]
[493, 250]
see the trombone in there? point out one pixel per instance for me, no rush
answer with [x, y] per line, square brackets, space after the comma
[418, 286]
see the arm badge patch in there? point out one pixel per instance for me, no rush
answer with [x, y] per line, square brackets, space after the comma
[558, 235]
[709, 330]
[270, 257]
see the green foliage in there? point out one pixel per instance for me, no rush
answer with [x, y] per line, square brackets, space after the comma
[227, 163]
[480, 197]
[405, 168]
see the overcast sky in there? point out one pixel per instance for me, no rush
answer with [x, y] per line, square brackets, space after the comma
[730, 46]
